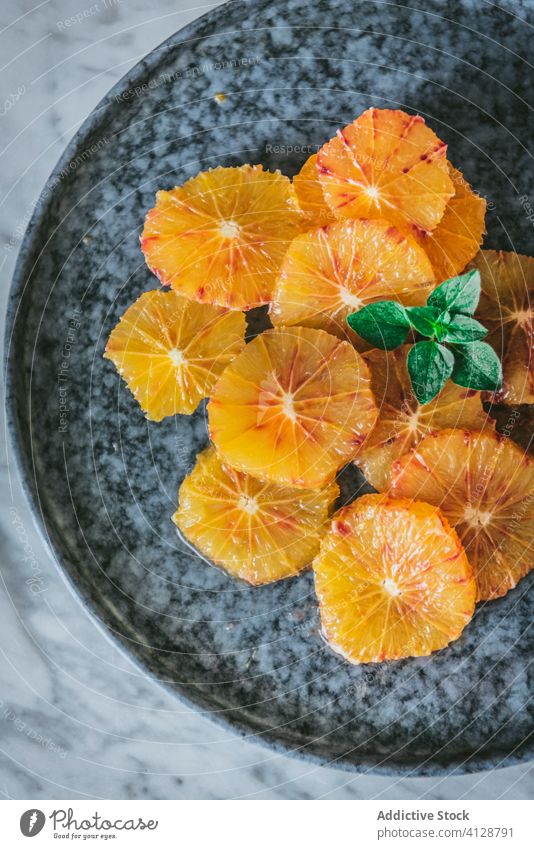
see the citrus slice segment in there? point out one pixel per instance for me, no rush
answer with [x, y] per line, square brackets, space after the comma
[392, 581]
[293, 407]
[331, 272]
[402, 421]
[506, 308]
[389, 165]
[221, 237]
[170, 351]
[459, 234]
[483, 483]
[259, 532]
[310, 196]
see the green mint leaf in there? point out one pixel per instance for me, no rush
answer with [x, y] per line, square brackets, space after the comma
[441, 327]
[477, 366]
[461, 329]
[430, 366]
[457, 295]
[426, 320]
[384, 324]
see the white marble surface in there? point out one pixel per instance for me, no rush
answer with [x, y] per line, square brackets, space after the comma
[77, 719]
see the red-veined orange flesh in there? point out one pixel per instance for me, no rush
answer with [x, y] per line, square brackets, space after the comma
[402, 421]
[389, 165]
[392, 581]
[221, 237]
[293, 407]
[459, 234]
[259, 532]
[170, 351]
[506, 308]
[484, 484]
[310, 196]
[331, 272]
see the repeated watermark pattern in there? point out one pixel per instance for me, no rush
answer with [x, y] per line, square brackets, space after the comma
[527, 208]
[22, 223]
[64, 371]
[35, 581]
[19, 229]
[511, 422]
[307, 149]
[191, 72]
[23, 727]
[12, 98]
[84, 14]
[75, 163]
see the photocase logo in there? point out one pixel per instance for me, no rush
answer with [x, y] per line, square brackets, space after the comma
[32, 822]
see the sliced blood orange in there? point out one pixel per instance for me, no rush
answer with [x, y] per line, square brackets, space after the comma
[310, 196]
[484, 485]
[293, 407]
[389, 165]
[221, 237]
[507, 309]
[259, 532]
[170, 351]
[332, 271]
[459, 234]
[402, 421]
[392, 580]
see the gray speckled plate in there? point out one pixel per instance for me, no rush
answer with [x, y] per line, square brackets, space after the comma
[103, 480]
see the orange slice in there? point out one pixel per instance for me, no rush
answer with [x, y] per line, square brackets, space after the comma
[459, 234]
[389, 165]
[392, 581]
[402, 421]
[330, 272]
[221, 237]
[170, 351]
[507, 309]
[310, 195]
[259, 532]
[483, 483]
[293, 407]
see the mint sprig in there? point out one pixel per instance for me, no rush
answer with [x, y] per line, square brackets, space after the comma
[476, 366]
[385, 324]
[430, 365]
[454, 348]
[458, 294]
